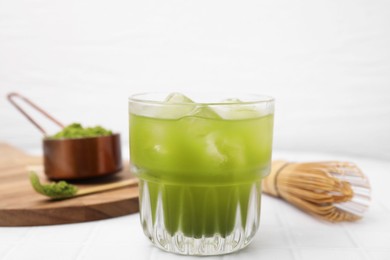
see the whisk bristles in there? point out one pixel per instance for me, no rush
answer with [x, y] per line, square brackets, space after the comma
[335, 191]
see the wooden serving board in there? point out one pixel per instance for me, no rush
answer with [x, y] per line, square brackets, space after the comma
[20, 205]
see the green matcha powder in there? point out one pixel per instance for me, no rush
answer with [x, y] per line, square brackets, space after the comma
[76, 130]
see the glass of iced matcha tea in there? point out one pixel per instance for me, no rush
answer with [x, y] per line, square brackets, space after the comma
[200, 160]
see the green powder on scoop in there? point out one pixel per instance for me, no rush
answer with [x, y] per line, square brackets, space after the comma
[55, 190]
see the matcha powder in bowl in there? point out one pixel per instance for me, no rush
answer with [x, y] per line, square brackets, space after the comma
[76, 130]
[78, 152]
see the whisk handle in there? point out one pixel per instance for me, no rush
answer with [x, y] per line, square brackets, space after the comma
[270, 182]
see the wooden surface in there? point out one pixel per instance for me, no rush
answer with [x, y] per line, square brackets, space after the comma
[20, 205]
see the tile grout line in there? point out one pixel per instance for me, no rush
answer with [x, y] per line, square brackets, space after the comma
[87, 241]
[9, 251]
[361, 249]
[287, 232]
[17, 243]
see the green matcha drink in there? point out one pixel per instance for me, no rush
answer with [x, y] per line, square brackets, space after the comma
[200, 168]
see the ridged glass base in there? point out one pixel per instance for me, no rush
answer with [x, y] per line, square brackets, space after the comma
[200, 220]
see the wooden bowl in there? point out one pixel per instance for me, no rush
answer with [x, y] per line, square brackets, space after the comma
[82, 158]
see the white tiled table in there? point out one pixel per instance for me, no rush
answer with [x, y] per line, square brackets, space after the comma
[285, 232]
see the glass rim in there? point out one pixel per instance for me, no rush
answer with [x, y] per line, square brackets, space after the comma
[257, 99]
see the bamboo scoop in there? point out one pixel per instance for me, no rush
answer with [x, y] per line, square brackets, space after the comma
[64, 190]
[334, 191]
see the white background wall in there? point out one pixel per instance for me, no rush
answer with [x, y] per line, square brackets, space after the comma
[326, 62]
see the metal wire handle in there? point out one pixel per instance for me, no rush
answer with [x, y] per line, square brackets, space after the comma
[13, 95]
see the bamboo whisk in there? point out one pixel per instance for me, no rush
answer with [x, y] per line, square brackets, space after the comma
[334, 191]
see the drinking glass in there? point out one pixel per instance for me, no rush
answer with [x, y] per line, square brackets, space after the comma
[200, 160]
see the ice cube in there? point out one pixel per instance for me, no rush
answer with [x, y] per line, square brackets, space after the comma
[181, 106]
[143, 109]
[224, 152]
[237, 110]
[174, 106]
[177, 98]
[204, 112]
[213, 150]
